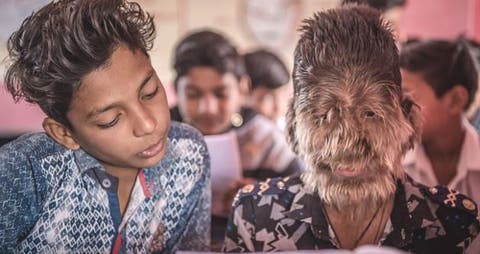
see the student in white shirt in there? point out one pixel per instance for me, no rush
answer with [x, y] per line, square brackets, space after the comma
[441, 77]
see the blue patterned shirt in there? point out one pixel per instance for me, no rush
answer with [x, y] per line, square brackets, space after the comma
[55, 200]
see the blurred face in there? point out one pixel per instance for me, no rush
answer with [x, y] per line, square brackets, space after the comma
[120, 114]
[264, 101]
[434, 110]
[268, 102]
[207, 99]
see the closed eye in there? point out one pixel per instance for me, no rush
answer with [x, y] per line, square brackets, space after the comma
[110, 124]
[150, 95]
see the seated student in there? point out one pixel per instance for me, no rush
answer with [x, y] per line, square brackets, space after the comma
[111, 173]
[268, 78]
[442, 79]
[351, 125]
[211, 84]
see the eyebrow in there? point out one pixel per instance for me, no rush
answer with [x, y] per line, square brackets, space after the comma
[115, 104]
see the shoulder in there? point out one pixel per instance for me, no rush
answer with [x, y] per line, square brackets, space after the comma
[457, 213]
[450, 200]
[184, 131]
[186, 150]
[276, 188]
[29, 146]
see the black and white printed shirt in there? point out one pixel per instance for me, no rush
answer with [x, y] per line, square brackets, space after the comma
[279, 215]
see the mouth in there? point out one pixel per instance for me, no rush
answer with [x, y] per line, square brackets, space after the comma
[347, 172]
[153, 150]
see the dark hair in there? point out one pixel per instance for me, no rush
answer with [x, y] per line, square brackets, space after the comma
[348, 44]
[265, 69]
[59, 44]
[442, 64]
[210, 49]
[382, 5]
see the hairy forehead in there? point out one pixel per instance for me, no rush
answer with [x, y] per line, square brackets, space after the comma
[349, 92]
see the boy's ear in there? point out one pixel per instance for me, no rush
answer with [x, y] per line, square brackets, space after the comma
[60, 133]
[457, 99]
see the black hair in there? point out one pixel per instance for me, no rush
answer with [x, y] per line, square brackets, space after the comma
[208, 49]
[265, 69]
[442, 64]
[58, 45]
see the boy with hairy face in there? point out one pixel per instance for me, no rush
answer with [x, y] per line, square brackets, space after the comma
[350, 123]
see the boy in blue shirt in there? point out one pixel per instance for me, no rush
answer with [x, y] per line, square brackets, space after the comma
[111, 173]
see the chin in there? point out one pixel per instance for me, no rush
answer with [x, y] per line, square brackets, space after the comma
[375, 185]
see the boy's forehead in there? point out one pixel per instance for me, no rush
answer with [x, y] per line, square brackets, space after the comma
[206, 78]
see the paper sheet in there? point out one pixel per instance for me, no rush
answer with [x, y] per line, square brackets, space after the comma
[226, 166]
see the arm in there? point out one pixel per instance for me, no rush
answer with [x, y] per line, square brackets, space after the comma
[196, 236]
[197, 232]
[238, 234]
[20, 202]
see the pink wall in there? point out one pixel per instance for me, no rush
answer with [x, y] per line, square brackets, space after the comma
[18, 118]
[441, 18]
[475, 17]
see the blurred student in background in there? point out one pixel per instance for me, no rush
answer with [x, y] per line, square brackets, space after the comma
[211, 84]
[269, 78]
[441, 77]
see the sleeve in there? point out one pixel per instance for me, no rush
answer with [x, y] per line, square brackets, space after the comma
[459, 217]
[238, 234]
[19, 198]
[197, 232]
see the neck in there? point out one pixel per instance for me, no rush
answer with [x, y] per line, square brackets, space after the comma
[359, 225]
[446, 144]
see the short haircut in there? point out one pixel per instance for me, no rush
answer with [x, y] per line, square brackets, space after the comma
[382, 5]
[346, 45]
[58, 45]
[265, 69]
[442, 64]
[207, 49]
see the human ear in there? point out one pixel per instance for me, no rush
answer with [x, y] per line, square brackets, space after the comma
[60, 133]
[457, 99]
[411, 111]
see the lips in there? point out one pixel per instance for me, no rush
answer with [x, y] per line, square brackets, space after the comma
[152, 150]
[348, 172]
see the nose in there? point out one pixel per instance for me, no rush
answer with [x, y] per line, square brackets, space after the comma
[208, 105]
[144, 122]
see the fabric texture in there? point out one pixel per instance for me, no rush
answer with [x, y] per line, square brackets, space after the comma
[55, 200]
[279, 215]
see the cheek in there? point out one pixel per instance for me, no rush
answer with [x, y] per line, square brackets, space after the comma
[188, 107]
[105, 143]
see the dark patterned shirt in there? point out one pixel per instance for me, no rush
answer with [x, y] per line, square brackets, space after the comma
[279, 215]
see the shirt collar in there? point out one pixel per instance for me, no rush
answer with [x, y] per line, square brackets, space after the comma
[410, 212]
[468, 161]
[85, 161]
